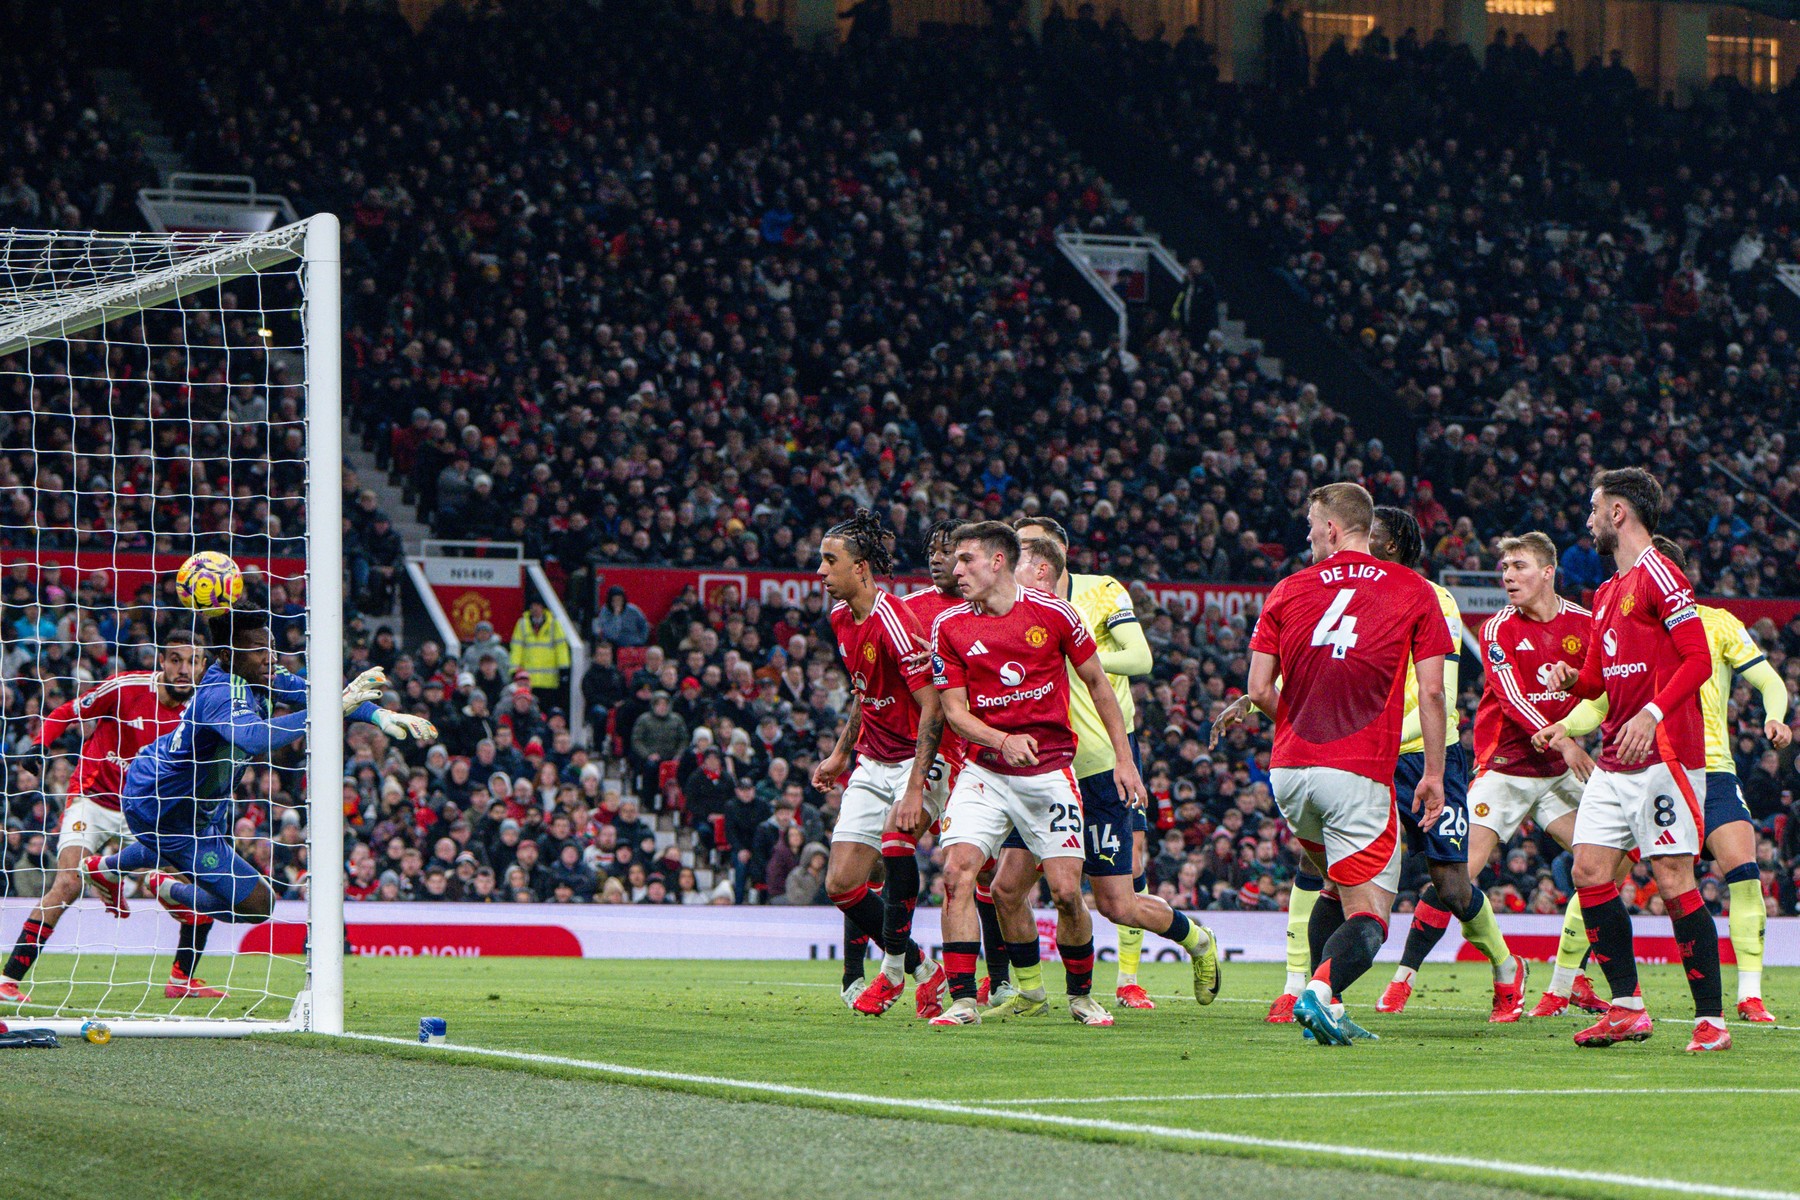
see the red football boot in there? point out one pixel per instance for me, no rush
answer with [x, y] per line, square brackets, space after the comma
[1550, 1005]
[1133, 996]
[1708, 1036]
[879, 996]
[1509, 998]
[1583, 996]
[1281, 1012]
[106, 883]
[1394, 997]
[1618, 1025]
[1750, 1010]
[183, 987]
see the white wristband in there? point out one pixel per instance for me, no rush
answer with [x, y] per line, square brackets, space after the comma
[1655, 712]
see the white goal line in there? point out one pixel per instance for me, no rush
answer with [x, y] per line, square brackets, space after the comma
[1510, 1170]
[1403, 1093]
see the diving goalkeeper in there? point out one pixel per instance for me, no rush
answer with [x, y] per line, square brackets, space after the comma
[177, 791]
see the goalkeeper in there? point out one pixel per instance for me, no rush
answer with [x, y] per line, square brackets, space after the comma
[177, 791]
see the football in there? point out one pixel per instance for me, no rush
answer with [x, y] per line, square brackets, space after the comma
[209, 582]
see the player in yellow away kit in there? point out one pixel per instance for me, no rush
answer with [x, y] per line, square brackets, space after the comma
[1105, 609]
[1730, 835]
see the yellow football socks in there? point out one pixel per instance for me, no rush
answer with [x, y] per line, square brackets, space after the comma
[1131, 948]
[1748, 917]
[1484, 933]
[1029, 979]
[1299, 950]
[1571, 950]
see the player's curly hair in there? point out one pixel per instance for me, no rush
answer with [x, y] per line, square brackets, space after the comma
[867, 539]
[943, 530]
[1403, 533]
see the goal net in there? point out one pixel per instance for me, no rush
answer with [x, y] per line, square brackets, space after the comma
[166, 395]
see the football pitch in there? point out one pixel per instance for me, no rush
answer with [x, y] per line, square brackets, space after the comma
[750, 1079]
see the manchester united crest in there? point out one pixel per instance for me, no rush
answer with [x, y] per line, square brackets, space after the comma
[1037, 635]
[869, 651]
[1571, 644]
[1626, 605]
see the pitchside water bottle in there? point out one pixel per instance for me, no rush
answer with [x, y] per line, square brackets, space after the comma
[432, 1030]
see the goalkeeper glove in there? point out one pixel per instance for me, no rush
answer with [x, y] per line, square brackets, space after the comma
[365, 688]
[401, 726]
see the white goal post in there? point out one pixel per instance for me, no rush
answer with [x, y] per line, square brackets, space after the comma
[241, 334]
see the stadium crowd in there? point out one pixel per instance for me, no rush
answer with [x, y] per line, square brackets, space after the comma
[696, 302]
[660, 312]
[1505, 242]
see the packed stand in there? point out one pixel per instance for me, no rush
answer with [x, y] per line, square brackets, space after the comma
[665, 328]
[652, 313]
[65, 163]
[1506, 242]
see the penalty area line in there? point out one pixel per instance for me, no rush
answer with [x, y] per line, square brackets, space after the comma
[1514, 1171]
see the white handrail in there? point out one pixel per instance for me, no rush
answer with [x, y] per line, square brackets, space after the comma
[415, 571]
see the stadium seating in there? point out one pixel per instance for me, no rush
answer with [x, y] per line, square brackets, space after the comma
[1506, 244]
[690, 302]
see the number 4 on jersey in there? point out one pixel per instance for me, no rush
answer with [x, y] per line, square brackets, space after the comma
[1334, 628]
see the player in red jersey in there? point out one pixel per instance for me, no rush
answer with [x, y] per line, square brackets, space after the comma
[927, 604]
[895, 724]
[1649, 657]
[1001, 662]
[1515, 781]
[125, 714]
[1338, 636]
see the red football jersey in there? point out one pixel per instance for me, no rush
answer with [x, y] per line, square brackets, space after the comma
[1517, 699]
[1344, 631]
[1649, 647]
[926, 606]
[1013, 668]
[876, 653]
[129, 714]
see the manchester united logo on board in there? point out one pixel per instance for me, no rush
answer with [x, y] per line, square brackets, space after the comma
[1037, 635]
[1571, 645]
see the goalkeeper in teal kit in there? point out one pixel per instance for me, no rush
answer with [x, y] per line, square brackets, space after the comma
[177, 791]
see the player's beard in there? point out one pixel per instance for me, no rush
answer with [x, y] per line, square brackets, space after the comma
[1606, 540]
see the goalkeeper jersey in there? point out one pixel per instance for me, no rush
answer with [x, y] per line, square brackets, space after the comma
[1452, 734]
[183, 780]
[1104, 606]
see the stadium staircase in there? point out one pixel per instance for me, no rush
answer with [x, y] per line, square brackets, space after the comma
[139, 119]
[1263, 298]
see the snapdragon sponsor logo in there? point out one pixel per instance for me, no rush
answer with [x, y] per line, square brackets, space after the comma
[1624, 670]
[1036, 693]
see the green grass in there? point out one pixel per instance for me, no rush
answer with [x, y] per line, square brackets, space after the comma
[380, 1119]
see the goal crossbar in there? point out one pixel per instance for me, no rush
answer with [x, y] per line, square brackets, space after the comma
[189, 263]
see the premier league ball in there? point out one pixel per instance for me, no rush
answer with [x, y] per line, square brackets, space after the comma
[209, 582]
